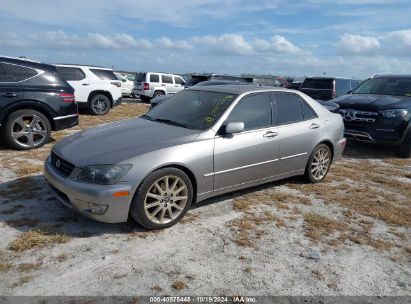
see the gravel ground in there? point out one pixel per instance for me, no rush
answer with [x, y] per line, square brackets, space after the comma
[347, 236]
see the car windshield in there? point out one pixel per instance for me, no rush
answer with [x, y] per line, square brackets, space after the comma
[192, 109]
[385, 86]
[313, 83]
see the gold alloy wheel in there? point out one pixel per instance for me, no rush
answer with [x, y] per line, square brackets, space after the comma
[320, 163]
[166, 199]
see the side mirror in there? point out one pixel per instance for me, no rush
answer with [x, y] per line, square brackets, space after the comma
[124, 80]
[234, 127]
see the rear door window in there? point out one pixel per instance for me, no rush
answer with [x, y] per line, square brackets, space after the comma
[288, 109]
[68, 73]
[154, 78]
[319, 84]
[17, 73]
[254, 111]
[104, 74]
[167, 79]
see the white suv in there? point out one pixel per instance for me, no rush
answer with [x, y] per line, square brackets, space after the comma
[96, 88]
[149, 85]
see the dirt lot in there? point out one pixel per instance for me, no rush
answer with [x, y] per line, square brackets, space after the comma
[349, 235]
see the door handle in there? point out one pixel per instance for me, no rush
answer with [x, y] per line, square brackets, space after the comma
[314, 126]
[163, 85]
[9, 95]
[270, 134]
[85, 84]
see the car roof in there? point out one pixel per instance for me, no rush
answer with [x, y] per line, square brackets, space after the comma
[82, 65]
[27, 62]
[392, 76]
[237, 89]
[329, 78]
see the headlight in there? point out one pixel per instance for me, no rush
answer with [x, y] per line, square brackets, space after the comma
[395, 113]
[103, 174]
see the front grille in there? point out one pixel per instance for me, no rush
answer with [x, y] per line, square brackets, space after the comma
[357, 115]
[61, 165]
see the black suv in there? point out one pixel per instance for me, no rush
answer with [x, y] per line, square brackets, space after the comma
[34, 100]
[327, 88]
[379, 111]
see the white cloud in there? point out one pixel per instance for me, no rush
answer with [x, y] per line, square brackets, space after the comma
[277, 44]
[357, 44]
[178, 45]
[402, 37]
[227, 44]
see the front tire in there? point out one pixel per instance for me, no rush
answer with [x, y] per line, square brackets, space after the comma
[404, 149]
[162, 199]
[318, 164]
[99, 104]
[26, 129]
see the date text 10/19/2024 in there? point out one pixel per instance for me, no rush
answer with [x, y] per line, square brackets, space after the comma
[182, 299]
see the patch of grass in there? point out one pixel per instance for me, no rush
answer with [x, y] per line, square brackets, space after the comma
[25, 267]
[37, 239]
[118, 276]
[22, 281]
[156, 288]
[317, 226]
[248, 269]
[179, 285]
[189, 217]
[5, 266]
[28, 168]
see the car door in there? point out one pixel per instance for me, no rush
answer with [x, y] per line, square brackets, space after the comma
[167, 82]
[77, 79]
[10, 90]
[249, 155]
[178, 84]
[298, 131]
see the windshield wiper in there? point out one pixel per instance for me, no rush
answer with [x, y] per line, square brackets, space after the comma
[172, 122]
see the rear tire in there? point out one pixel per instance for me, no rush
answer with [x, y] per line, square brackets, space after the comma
[318, 164]
[162, 199]
[404, 149]
[26, 129]
[158, 93]
[99, 104]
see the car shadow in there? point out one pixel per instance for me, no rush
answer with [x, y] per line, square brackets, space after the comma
[364, 150]
[27, 204]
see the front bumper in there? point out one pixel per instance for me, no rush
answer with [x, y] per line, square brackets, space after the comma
[65, 122]
[84, 198]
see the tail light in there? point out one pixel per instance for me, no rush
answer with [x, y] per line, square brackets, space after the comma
[67, 97]
[146, 86]
[116, 83]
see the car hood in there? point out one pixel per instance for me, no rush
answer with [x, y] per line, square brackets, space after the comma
[116, 142]
[372, 102]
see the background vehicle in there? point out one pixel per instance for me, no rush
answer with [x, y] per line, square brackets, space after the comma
[202, 142]
[34, 100]
[197, 78]
[296, 83]
[96, 88]
[270, 82]
[149, 85]
[327, 88]
[126, 85]
[379, 111]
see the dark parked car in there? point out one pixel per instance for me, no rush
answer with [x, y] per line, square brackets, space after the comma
[34, 100]
[379, 111]
[327, 88]
[197, 78]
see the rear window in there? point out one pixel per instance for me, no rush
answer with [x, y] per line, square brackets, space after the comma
[140, 77]
[178, 80]
[68, 73]
[154, 78]
[16, 73]
[321, 84]
[104, 74]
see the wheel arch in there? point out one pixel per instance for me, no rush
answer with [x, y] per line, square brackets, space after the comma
[330, 145]
[29, 105]
[103, 92]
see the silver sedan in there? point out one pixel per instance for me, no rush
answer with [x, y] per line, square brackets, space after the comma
[200, 143]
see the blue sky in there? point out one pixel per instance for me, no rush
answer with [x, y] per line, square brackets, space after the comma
[310, 37]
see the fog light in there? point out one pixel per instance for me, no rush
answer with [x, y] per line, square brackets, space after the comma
[97, 209]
